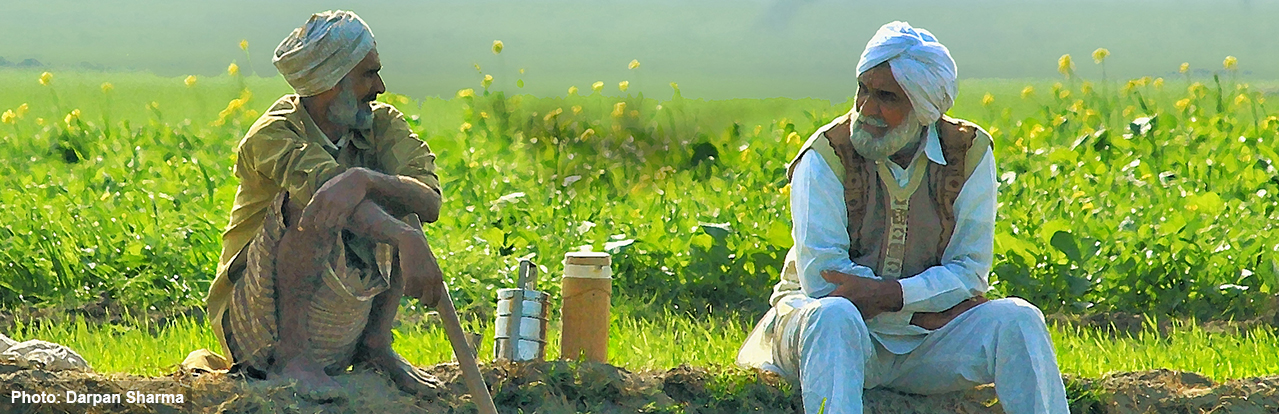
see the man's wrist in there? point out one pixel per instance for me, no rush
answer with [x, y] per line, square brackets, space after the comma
[890, 294]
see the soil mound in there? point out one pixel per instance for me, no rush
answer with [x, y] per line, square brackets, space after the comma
[567, 387]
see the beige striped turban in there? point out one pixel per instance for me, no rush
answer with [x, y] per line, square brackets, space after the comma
[317, 55]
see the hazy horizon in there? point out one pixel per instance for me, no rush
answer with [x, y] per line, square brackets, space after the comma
[712, 49]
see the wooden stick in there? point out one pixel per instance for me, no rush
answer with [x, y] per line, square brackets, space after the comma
[465, 357]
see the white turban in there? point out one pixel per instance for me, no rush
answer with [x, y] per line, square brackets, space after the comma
[317, 55]
[920, 64]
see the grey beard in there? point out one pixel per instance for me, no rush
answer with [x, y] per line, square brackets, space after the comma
[879, 149]
[347, 110]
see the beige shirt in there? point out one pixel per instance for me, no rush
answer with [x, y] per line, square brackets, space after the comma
[286, 151]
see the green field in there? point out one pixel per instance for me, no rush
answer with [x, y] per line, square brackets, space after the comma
[1149, 195]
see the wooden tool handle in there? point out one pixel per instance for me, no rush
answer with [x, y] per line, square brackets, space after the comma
[465, 357]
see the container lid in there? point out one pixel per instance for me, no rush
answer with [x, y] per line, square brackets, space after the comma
[588, 258]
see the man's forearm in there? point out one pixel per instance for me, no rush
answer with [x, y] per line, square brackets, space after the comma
[401, 195]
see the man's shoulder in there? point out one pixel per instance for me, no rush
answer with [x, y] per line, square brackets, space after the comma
[956, 132]
[389, 122]
[281, 121]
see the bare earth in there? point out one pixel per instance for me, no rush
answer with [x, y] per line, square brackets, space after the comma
[562, 387]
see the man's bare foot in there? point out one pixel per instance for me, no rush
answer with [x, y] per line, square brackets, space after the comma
[312, 382]
[407, 377]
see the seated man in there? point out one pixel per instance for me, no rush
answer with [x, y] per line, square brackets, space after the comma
[893, 208]
[305, 287]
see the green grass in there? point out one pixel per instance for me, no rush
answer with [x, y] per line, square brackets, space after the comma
[1220, 356]
[673, 339]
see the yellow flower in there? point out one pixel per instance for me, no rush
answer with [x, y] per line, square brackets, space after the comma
[466, 126]
[552, 114]
[1185, 67]
[1088, 206]
[1027, 92]
[1230, 63]
[597, 86]
[488, 80]
[7, 117]
[988, 99]
[634, 64]
[521, 71]
[1241, 99]
[1197, 89]
[577, 109]
[1159, 82]
[793, 138]
[497, 46]
[1086, 88]
[22, 110]
[619, 109]
[1065, 66]
[1100, 54]
[233, 69]
[46, 78]
[1064, 94]
[189, 81]
[589, 132]
[244, 44]
[621, 86]
[572, 90]
[107, 87]
[71, 117]
[39, 121]
[466, 93]
[484, 115]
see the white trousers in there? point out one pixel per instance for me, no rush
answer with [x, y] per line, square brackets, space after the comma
[826, 345]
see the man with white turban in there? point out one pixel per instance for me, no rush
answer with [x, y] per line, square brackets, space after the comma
[316, 259]
[893, 214]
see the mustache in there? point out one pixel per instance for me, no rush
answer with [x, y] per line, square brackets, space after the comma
[873, 121]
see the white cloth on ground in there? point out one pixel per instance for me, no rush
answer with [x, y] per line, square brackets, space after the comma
[44, 355]
[826, 345]
[314, 57]
[921, 65]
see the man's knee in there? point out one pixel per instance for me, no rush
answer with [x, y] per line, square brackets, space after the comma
[837, 313]
[1017, 313]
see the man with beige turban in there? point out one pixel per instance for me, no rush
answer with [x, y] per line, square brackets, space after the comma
[893, 215]
[315, 261]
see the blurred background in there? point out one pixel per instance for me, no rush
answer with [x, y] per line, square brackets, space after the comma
[714, 49]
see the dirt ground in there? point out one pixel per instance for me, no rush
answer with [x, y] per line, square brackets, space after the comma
[564, 387]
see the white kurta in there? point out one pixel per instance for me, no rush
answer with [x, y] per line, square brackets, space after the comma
[835, 354]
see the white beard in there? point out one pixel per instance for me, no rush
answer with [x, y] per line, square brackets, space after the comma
[347, 110]
[879, 149]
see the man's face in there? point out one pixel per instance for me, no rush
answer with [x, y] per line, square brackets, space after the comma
[881, 102]
[350, 107]
[366, 82]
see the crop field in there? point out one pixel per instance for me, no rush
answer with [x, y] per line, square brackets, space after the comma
[1149, 196]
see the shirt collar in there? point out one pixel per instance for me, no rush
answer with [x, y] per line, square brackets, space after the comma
[932, 144]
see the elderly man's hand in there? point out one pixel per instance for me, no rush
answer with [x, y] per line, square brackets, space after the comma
[423, 278]
[334, 202]
[935, 320]
[872, 297]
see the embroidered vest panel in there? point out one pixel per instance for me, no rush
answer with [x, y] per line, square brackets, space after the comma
[931, 216]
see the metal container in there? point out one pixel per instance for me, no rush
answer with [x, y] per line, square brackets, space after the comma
[521, 338]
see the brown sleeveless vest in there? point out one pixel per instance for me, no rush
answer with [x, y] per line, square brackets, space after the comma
[932, 206]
